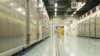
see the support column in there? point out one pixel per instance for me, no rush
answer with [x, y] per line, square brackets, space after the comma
[27, 3]
[38, 15]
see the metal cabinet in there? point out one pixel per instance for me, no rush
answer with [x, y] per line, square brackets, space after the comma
[98, 26]
[83, 28]
[79, 29]
[92, 27]
[87, 28]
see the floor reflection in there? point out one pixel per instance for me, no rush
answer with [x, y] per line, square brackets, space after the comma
[80, 46]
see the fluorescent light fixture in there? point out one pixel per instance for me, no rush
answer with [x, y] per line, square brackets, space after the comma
[78, 8]
[71, 15]
[83, 4]
[55, 13]
[56, 4]
[11, 4]
[19, 9]
[23, 13]
[55, 9]
[40, 5]
[74, 12]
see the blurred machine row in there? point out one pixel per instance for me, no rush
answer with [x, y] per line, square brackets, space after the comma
[89, 25]
[15, 32]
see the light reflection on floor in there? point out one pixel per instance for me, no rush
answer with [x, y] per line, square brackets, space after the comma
[68, 46]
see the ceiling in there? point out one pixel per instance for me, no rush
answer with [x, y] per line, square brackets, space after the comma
[88, 6]
[61, 9]
[64, 5]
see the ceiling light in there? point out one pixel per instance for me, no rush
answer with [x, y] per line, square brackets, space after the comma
[55, 9]
[40, 5]
[23, 13]
[83, 4]
[11, 4]
[79, 8]
[55, 13]
[56, 4]
[74, 12]
[19, 9]
[71, 15]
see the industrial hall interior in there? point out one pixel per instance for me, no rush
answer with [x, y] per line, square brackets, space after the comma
[49, 27]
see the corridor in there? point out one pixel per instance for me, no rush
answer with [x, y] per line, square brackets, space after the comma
[49, 27]
[68, 46]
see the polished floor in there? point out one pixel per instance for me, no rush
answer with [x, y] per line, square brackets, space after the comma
[68, 46]
[45, 48]
[80, 46]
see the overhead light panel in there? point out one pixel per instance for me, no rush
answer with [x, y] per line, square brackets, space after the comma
[11, 4]
[55, 13]
[56, 4]
[19, 9]
[40, 5]
[23, 13]
[74, 12]
[83, 4]
[72, 15]
[78, 8]
[55, 9]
